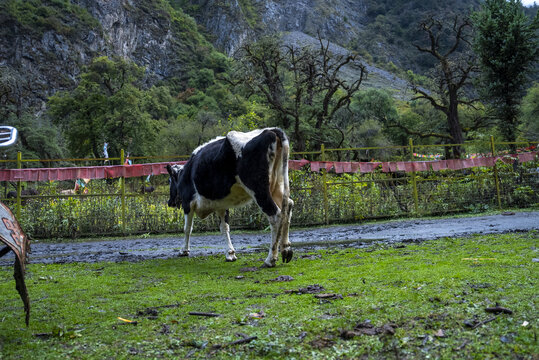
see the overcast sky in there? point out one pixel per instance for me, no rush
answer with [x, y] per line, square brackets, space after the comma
[528, 2]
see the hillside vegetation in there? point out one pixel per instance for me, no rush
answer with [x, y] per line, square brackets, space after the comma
[161, 77]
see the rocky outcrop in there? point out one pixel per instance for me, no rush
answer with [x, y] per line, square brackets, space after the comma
[145, 35]
[226, 23]
[340, 21]
[51, 58]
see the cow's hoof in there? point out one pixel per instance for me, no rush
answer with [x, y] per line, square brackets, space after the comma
[269, 264]
[231, 256]
[184, 253]
[287, 255]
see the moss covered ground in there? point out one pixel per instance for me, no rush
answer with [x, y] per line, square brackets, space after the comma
[427, 300]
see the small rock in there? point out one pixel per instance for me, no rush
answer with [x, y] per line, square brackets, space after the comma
[283, 278]
[440, 333]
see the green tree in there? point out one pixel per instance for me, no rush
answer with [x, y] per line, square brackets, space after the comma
[39, 139]
[507, 44]
[361, 125]
[109, 105]
[417, 120]
[183, 135]
[530, 113]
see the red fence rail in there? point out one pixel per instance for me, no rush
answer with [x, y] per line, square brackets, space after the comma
[127, 171]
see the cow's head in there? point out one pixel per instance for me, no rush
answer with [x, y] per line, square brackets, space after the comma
[175, 172]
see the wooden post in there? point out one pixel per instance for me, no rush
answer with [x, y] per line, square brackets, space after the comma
[19, 186]
[414, 180]
[496, 178]
[122, 191]
[325, 187]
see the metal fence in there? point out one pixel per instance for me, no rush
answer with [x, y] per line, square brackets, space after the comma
[118, 206]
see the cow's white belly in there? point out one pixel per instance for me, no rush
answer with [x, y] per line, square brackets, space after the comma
[238, 196]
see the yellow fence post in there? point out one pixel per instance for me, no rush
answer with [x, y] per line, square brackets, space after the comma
[325, 187]
[122, 190]
[19, 186]
[414, 180]
[496, 178]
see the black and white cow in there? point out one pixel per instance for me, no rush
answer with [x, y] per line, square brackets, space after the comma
[231, 171]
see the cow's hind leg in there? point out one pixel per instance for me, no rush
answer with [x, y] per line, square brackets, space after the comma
[275, 225]
[267, 204]
[280, 195]
[286, 251]
[225, 230]
[187, 228]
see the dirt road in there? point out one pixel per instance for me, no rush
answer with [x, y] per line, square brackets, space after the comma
[317, 238]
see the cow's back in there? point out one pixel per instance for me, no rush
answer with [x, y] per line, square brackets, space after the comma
[212, 170]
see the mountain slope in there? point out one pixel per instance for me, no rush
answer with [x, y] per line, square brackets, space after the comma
[46, 43]
[382, 30]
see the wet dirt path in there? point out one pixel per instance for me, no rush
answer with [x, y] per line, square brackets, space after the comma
[317, 238]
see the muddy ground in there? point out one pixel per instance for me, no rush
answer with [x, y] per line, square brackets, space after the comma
[303, 240]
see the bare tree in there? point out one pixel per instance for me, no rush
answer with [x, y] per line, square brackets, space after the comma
[449, 44]
[303, 86]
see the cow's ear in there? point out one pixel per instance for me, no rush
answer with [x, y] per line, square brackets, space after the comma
[169, 169]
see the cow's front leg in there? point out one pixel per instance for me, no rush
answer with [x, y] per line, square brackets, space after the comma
[225, 230]
[187, 228]
[286, 251]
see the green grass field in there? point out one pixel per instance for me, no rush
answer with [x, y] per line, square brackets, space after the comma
[425, 300]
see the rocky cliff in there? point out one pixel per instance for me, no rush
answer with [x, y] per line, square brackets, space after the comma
[231, 22]
[45, 46]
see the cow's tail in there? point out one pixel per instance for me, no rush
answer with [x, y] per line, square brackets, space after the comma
[287, 203]
[283, 157]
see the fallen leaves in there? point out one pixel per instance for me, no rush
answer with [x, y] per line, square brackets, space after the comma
[498, 309]
[60, 331]
[249, 269]
[310, 289]
[440, 334]
[282, 278]
[207, 314]
[257, 315]
[367, 328]
[245, 340]
[150, 313]
[474, 323]
[134, 322]
[322, 342]
[317, 290]
[328, 296]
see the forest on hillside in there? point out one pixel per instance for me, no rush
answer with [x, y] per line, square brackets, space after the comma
[459, 94]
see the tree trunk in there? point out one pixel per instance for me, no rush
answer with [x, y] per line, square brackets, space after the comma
[299, 142]
[455, 130]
